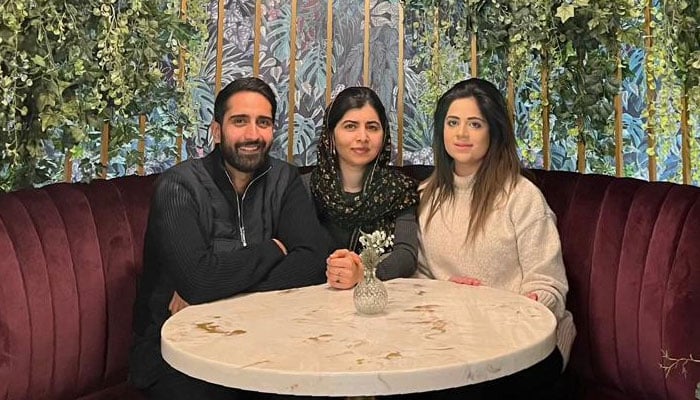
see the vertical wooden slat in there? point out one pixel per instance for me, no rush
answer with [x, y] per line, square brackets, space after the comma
[401, 88]
[510, 89]
[545, 111]
[181, 82]
[142, 144]
[257, 35]
[619, 161]
[651, 90]
[329, 51]
[219, 46]
[581, 147]
[685, 138]
[104, 150]
[292, 81]
[436, 43]
[365, 61]
[68, 167]
[475, 62]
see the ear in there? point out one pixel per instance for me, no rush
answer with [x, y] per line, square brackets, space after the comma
[216, 132]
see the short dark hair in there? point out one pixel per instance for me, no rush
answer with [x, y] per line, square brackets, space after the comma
[248, 84]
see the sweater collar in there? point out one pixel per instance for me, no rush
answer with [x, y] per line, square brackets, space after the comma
[463, 183]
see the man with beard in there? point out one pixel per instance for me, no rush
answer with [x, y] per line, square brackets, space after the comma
[235, 221]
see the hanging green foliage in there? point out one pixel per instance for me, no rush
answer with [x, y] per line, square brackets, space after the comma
[68, 67]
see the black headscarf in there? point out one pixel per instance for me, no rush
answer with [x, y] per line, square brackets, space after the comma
[385, 192]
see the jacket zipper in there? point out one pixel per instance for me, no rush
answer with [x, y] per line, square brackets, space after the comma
[241, 227]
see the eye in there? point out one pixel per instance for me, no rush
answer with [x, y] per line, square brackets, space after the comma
[239, 121]
[374, 127]
[475, 124]
[349, 126]
[264, 123]
[452, 123]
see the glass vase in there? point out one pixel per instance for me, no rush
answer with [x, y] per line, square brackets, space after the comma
[370, 294]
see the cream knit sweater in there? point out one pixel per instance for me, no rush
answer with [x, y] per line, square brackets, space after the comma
[519, 249]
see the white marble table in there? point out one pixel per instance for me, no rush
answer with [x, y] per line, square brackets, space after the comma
[311, 341]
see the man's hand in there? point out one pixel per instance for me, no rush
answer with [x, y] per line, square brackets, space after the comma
[465, 280]
[344, 269]
[176, 304]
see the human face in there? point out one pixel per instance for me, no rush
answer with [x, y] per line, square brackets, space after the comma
[245, 133]
[466, 135]
[358, 137]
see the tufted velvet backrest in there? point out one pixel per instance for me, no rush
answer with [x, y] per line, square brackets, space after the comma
[632, 254]
[69, 257]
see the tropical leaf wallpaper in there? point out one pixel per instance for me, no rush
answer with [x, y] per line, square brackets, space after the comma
[303, 67]
[348, 44]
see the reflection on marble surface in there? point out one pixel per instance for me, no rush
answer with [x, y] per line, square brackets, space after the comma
[432, 335]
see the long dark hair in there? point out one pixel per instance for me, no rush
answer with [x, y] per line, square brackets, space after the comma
[499, 171]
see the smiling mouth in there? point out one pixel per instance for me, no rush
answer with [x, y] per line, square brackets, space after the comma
[249, 147]
[362, 150]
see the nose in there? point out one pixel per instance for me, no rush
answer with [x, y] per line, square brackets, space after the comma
[362, 135]
[465, 130]
[251, 132]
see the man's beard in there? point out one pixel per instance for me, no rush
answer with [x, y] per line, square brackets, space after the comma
[247, 163]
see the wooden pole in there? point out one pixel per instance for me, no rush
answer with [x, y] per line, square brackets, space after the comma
[401, 89]
[142, 145]
[619, 161]
[257, 34]
[292, 81]
[475, 62]
[546, 150]
[104, 150]
[219, 46]
[181, 82]
[365, 61]
[651, 90]
[685, 138]
[329, 51]
[581, 147]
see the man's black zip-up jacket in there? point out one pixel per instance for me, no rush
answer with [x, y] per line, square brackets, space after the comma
[207, 242]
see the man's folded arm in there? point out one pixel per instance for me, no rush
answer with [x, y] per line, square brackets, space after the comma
[200, 272]
[306, 242]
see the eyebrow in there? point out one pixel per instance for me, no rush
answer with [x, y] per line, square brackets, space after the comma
[468, 118]
[248, 116]
[357, 122]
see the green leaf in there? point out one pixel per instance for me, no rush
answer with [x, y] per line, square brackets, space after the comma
[565, 11]
[38, 60]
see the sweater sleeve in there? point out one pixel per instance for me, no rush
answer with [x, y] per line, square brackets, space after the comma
[199, 272]
[539, 249]
[401, 262]
[306, 242]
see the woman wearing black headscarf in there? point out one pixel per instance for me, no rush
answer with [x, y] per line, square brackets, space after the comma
[355, 189]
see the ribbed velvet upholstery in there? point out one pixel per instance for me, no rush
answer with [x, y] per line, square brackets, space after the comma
[632, 255]
[69, 257]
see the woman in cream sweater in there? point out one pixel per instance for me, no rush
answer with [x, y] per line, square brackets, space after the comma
[482, 223]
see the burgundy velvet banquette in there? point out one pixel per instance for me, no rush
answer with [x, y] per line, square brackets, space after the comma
[70, 255]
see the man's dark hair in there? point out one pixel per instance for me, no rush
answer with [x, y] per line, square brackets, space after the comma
[249, 84]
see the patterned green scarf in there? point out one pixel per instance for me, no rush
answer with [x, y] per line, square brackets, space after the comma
[385, 193]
